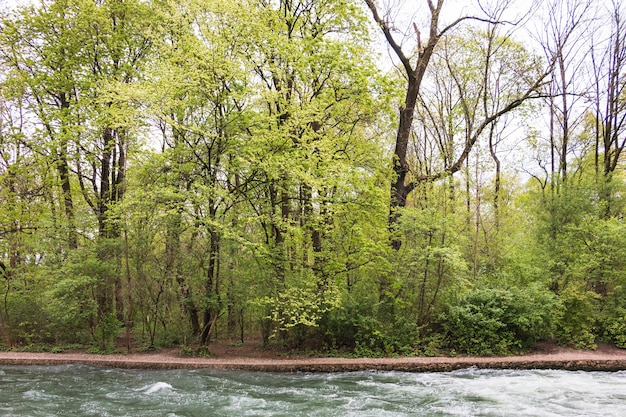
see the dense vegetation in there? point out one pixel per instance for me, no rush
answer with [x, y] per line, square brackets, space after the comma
[180, 171]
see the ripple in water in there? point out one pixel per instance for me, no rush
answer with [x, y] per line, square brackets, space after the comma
[76, 390]
[158, 386]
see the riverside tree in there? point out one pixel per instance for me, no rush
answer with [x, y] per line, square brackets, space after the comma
[181, 172]
[72, 62]
[414, 64]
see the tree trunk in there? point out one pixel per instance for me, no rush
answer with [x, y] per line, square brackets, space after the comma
[64, 177]
[211, 287]
[4, 275]
[399, 188]
[496, 188]
[112, 178]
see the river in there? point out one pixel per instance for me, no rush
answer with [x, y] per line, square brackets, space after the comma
[80, 390]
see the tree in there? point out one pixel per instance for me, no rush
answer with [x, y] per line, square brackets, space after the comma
[414, 69]
[566, 89]
[202, 118]
[609, 99]
[73, 62]
[473, 73]
[118, 46]
[44, 73]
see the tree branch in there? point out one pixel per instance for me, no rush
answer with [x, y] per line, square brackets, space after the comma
[529, 94]
[461, 19]
[406, 63]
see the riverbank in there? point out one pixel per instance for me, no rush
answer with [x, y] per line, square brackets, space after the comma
[606, 358]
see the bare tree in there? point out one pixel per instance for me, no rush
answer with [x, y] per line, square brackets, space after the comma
[414, 68]
[614, 117]
[566, 91]
[608, 61]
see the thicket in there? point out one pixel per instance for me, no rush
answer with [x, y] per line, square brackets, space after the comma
[173, 174]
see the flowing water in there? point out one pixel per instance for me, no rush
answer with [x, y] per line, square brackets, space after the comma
[78, 390]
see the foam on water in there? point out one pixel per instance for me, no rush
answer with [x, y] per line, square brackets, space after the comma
[90, 391]
[156, 387]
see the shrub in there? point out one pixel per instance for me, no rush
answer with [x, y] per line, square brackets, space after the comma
[579, 314]
[106, 331]
[72, 308]
[615, 327]
[498, 321]
[359, 327]
[26, 321]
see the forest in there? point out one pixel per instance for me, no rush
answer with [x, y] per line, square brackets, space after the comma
[364, 177]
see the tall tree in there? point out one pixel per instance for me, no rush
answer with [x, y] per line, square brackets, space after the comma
[41, 56]
[567, 88]
[314, 101]
[414, 69]
[609, 97]
[75, 60]
[118, 45]
[199, 93]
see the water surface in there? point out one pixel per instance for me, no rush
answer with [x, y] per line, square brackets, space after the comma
[78, 390]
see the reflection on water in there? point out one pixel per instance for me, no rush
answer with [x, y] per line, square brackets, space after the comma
[77, 390]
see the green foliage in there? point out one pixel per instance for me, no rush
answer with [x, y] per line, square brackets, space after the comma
[72, 306]
[584, 257]
[430, 266]
[375, 338]
[261, 196]
[73, 295]
[615, 327]
[186, 351]
[578, 317]
[295, 311]
[495, 321]
[30, 325]
[358, 326]
[106, 331]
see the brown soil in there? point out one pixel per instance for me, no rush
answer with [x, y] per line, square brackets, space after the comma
[249, 356]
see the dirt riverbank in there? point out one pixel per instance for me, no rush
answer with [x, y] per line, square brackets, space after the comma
[247, 357]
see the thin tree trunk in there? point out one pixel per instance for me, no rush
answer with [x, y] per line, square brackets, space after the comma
[64, 177]
[565, 132]
[128, 321]
[496, 189]
[211, 286]
[4, 274]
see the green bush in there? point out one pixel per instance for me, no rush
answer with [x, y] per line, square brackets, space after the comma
[578, 317]
[358, 327]
[615, 327]
[106, 331]
[26, 321]
[72, 308]
[498, 321]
